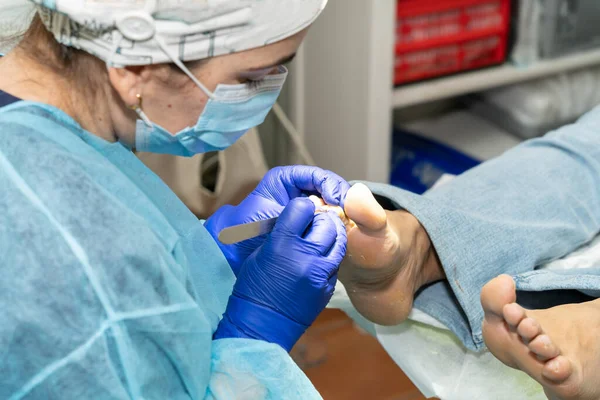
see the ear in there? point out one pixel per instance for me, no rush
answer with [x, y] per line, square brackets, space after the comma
[128, 83]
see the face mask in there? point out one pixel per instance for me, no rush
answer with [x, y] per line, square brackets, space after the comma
[231, 111]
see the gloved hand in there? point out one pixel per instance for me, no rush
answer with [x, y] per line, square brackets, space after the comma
[284, 285]
[274, 192]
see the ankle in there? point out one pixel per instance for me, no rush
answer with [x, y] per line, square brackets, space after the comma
[432, 269]
[422, 257]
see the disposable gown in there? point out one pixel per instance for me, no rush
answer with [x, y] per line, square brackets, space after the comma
[111, 288]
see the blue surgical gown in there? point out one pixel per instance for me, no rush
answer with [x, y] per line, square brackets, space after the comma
[111, 288]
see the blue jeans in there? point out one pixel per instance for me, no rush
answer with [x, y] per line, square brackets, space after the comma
[536, 203]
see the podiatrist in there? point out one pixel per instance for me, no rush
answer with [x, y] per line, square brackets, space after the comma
[111, 288]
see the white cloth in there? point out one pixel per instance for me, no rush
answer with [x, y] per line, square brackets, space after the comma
[437, 362]
[127, 32]
[552, 101]
[15, 16]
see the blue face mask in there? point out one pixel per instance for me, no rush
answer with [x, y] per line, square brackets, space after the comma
[231, 111]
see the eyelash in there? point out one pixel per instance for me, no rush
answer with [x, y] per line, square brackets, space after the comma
[262, 75]
[252, 82]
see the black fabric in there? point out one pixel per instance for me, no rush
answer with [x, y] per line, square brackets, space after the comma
[6, 99]
[386, 203]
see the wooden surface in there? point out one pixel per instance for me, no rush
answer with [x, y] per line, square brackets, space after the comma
[345, 363]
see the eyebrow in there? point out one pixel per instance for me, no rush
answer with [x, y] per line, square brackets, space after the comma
[283, 61]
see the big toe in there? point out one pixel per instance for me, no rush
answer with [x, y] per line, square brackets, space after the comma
[361, 207]
[496, 294]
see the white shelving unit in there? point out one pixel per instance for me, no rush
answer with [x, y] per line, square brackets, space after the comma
[475, 81]
[346, 101]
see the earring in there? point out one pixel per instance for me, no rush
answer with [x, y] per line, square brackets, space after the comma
[138, 109]
[138, 106]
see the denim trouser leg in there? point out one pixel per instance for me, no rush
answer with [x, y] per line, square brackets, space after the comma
[586, 281]
[536, 203]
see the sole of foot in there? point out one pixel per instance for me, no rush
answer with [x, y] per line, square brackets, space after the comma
[387, 259]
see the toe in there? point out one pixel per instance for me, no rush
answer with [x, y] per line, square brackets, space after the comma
[528, 329]
[496, 294]
[543, 347]
[558, 369]
[361, 207]
[513, 314]
[319, 202]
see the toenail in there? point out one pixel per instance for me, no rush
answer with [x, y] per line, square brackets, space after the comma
[545, 341]
[553, 365]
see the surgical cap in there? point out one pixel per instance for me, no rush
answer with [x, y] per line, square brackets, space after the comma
[128, 32]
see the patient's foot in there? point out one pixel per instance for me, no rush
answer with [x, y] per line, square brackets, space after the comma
[558, 347]
[389, 258]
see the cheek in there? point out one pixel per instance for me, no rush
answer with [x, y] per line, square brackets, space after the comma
[178, 111]
[186, 111]
[188, 106]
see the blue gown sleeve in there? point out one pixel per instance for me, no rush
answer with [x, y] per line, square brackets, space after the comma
[250, 369]
[535, 203]
[112, 290]
[59, 342]
[92, 306]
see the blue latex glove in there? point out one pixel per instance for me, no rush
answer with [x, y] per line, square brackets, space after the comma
[284, 285]
[274, 192]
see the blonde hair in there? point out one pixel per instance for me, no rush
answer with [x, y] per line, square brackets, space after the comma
[39, 45]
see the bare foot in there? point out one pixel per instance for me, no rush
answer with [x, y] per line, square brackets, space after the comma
[321, 207]
[558, 347]
[389, 258]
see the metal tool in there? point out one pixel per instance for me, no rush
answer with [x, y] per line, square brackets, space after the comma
[239, 233]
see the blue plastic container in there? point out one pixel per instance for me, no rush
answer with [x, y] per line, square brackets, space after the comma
[418, 162]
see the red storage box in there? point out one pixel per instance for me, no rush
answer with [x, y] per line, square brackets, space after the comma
[440, 37]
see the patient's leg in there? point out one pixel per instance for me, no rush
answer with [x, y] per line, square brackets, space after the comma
[558, 347]
[381, 272]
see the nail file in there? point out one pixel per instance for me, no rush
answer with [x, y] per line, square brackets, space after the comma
[239, 233]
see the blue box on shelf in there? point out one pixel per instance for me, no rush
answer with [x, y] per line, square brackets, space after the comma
[418, 162]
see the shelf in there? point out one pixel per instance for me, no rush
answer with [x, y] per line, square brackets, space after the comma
[469, 82]
[346, 100]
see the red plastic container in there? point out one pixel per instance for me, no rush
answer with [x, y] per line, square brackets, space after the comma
[440, 37]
